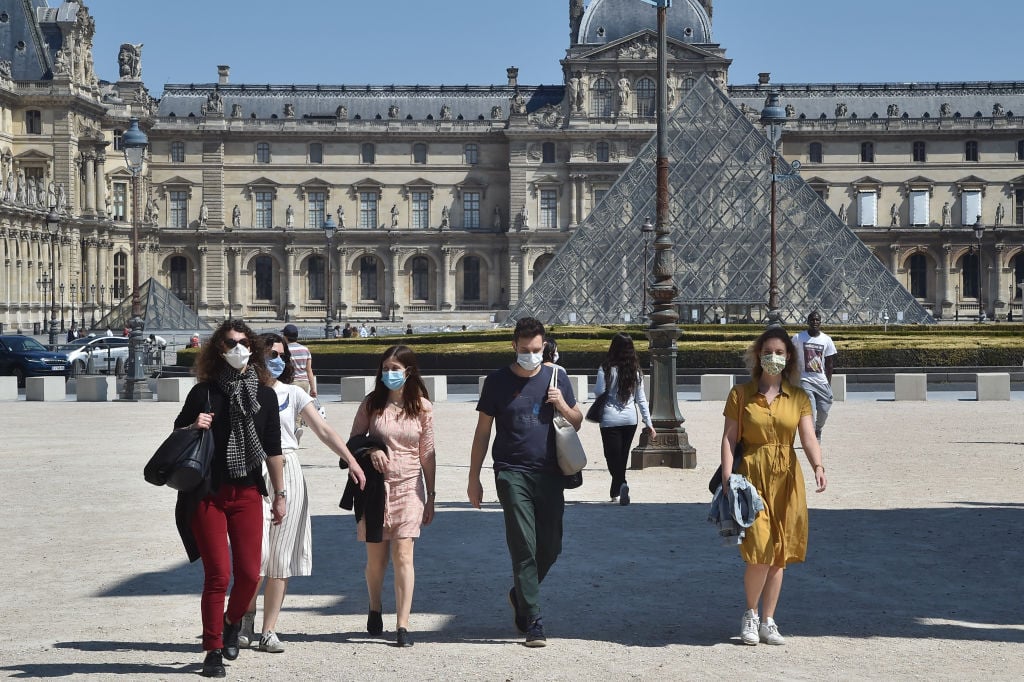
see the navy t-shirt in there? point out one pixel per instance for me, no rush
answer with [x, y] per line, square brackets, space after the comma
[525, 440]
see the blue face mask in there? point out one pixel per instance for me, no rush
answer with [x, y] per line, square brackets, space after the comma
[393, 379]
[275, 366]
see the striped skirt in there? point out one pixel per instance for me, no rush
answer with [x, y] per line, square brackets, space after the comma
[288, 548]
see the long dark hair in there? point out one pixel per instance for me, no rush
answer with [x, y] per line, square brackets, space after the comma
[210, 364]
[752, 356]
[412, 391]
[622, 355]
[269, 339]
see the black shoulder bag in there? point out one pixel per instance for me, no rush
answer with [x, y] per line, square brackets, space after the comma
[183, 460]
[737, 452]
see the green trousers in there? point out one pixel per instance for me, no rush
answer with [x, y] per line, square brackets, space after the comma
[532, 504]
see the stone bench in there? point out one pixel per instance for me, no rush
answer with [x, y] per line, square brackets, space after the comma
[437, 387]
[911, 386]
[716, 386]
[839, 388]
[99, 388]
[173, 389]
[8, 388]
[46, 389]
[354, 389]
[992, 386]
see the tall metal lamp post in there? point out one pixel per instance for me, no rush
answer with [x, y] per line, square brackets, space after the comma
[673, 445]
[773, 117]
[135, 142]
[71, 299]
[53, 227]
[329, 227]
[62, 329]
[979, 232]
[647, 229]
[92, 306]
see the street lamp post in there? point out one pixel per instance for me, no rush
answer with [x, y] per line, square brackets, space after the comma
[329, 227]
[62, 328]
[979, 232]
[53, 227]
[135, 142]
[956, 302]
[773, 117]
[647, 229]
[92, 306]
[673, 445]
[103, 299]
[71, 300]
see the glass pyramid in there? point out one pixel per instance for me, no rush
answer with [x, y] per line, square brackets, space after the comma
[719, 213]
[161, 310]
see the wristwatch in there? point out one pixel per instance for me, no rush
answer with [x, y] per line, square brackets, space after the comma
[281, 493]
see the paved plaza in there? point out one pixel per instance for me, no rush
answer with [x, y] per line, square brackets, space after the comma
[913, 567]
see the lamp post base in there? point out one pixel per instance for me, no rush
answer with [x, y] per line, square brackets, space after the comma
[136, 387]
[672, 449]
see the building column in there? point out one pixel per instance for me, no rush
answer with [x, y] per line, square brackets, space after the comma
[948, 295]
[393, 252]
[89, 162]
[289, 282]
[573, 214]
[446, 282]
[101, 184]
[524, 270]
[235, 259]
[201, 277]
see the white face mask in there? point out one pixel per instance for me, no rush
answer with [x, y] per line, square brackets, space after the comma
[554, 358]
[773, 364]
[237, 357]
[529, 361]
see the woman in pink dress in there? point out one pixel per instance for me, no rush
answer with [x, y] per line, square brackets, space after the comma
[398, 414]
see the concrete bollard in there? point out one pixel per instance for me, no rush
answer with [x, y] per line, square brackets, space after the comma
[437, 387]
[716, 386]
[100, 388]
[992, 386]
[8, 388]
[911, 386]
[579, 387]
[40, 389]
[354, 389]
[480, 384]
[173, 389]
[839, 388]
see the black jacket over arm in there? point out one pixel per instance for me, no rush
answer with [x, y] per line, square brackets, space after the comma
[368, 502]
[268, 427]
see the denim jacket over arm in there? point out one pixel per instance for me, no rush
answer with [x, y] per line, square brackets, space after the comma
[735, 512]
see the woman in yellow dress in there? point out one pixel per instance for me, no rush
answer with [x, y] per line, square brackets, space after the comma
[774, 409]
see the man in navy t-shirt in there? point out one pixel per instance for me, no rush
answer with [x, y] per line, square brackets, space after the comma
[520, 402]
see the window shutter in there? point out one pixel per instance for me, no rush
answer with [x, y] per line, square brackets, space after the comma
[919, 207]
[867, 208]
[970, 202]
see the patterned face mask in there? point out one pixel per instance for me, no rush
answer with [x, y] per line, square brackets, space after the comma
[773, 364]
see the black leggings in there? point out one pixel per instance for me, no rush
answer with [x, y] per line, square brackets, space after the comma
[616, 441]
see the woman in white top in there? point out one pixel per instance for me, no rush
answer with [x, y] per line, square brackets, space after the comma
[288, 547]
[620, 376]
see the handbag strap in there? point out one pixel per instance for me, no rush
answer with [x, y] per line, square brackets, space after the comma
[554, 376]
[739, 415]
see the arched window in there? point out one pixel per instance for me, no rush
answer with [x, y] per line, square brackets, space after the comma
[263, 274]
[646, 98]
[601, 149]
[178, 152]
[867, 152]
[814, 154]
[121, 275]
[316, 152]
[971, 150]
[263, 152]
[969, 275]
[471, 278]
[368, 278]
[315, 280]
[368, 153]
[919, 275]
[920, 151]
[540, 264]
[419, 153]
[601, 98]
[548, 152]
[420, 278]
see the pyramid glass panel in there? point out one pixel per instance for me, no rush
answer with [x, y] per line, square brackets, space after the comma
[719, 213]
[161, 310]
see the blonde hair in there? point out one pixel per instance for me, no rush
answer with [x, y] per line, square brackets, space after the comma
[752, 356]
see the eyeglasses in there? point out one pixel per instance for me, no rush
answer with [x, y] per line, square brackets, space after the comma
[231, 343]
[273, 354]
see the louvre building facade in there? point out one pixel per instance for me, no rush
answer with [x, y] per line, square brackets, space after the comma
[450, 200]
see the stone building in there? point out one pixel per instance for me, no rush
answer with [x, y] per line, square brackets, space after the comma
[450, 199]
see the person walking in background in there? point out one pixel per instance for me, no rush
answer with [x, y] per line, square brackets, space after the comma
[773, 410]
[619, 375]
[520, 402]
[288, 547]
[816, 355]
[550, 351]
[243, 418]
[397, 415]
[302, 361]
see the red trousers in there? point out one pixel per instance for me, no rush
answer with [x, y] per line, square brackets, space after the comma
[236, 513]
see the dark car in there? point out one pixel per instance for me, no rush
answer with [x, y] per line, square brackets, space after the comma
[23, 357]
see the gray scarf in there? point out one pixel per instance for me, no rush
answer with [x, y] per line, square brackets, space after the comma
[245, 452]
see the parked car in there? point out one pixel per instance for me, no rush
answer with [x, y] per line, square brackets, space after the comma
[23, 357]
[109, 354]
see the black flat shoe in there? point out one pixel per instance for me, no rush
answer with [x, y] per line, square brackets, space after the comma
[374, 623]
[404, 640]
[231, 631]
[213, 664]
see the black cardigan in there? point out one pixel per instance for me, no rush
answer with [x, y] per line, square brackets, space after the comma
[368, 502]
[268, 428]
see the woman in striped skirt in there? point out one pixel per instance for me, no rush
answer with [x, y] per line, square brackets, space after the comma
[288, 548]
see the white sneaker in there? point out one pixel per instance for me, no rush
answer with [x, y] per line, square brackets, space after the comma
[270, 643]
[769, 633]
[247, 636]
[748, 628]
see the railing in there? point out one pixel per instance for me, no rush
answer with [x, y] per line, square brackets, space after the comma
[259, 308]
[314, 308]
[473, 307]
[420, 308]
[367, 309]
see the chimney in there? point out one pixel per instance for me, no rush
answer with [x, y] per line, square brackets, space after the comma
[222, 74]
[513, 77]
[763, 78]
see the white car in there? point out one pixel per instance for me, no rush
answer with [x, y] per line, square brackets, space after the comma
[109, 354]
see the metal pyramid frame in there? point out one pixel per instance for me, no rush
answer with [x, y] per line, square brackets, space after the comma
[161, 310]
[719, 212]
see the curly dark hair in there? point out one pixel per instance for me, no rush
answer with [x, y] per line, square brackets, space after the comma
[210, 364]
[412, 391]
[269, 339]
[752, 356]
[622, 355]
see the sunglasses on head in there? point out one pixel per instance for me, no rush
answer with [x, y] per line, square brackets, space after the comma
[231, 343]
[273, 354]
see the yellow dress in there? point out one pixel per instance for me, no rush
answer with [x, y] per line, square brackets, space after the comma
[779, 534]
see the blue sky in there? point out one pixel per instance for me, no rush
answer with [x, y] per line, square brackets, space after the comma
[473, 41]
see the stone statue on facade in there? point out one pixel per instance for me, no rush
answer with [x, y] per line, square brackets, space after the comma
[129, 62]
[5, 69]
[236, 111]
[518, 103]
[945, 214]
[790, 111]
[572, 93]
[341, 217]
[108, 206]
[9, 188]
[341, 113]
[575, 19]
[214, 104]
[61, 65]
[236, 216]
[446, 112]
[30, 192]
[19, 187]
[894, 216]
[842, 213]
[497, 219]
[62, 197]
[624, 94]
[445, 215]
[670, 90]
[841, 110]
[51, 195]
[1000, 214]
[393, 111]
[394, 216]
[40, 192]
[204, 214]
[945, 110]
[524, 217]
[289, 216]
[497, 112]
[997, 109]
[892, 111]
[289, 110]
